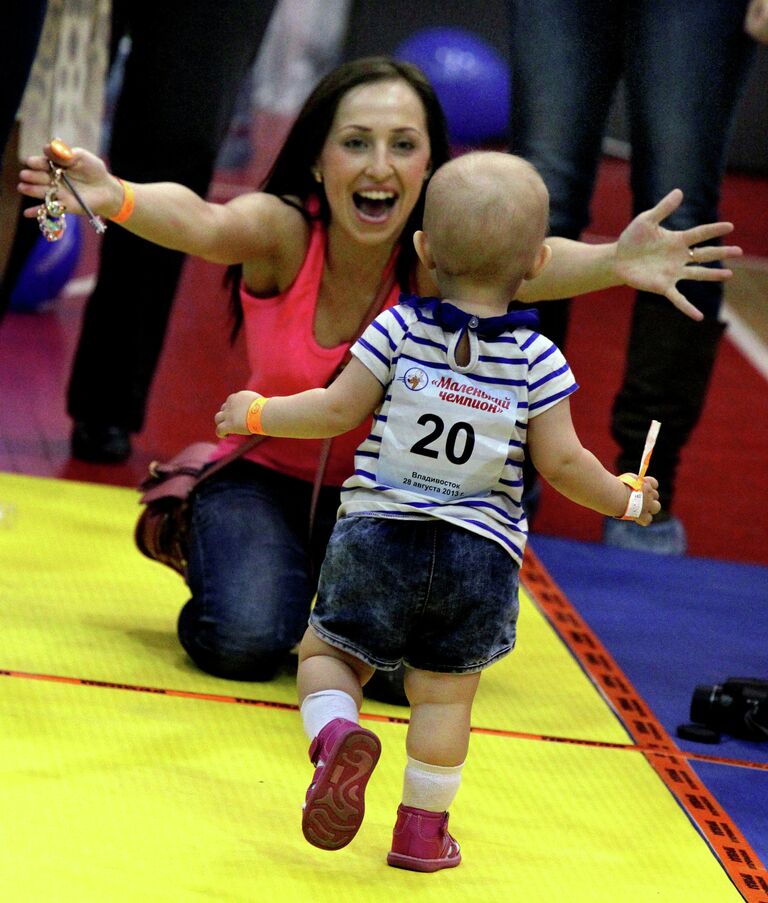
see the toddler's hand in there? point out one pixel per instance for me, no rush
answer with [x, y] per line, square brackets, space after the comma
[650, 504]
[231, 418]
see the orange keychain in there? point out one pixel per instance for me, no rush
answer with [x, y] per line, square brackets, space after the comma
[62, 150]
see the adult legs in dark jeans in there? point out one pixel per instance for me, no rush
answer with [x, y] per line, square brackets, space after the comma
[22, 27]
[252, 569]
[253, 574]
[684, 66]
[181, 80]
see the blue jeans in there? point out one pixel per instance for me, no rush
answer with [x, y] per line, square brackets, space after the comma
[684, 63]
[426, 592]
[252, 569]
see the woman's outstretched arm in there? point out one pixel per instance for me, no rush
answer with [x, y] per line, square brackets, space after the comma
[646, 256]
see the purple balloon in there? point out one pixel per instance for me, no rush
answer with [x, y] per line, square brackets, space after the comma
[472, 81]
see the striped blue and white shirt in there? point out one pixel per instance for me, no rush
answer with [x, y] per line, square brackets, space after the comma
[448, 440]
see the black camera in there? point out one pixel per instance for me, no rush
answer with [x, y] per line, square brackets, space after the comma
[738, 707]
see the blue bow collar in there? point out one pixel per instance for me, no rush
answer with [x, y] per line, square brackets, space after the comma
[452, 319]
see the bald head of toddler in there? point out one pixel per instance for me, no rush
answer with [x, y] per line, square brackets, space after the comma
[485, 218]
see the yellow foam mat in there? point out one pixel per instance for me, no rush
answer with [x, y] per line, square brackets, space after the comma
[86, 604]
[113, 795]
[116, 795]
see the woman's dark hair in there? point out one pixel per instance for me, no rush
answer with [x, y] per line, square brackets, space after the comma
[291, 173]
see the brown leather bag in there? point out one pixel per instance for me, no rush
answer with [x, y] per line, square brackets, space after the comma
[163, 526]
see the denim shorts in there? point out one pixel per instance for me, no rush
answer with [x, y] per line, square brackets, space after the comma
[424, 592]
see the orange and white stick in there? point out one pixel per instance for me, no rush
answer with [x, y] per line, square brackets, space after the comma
[650, 441]
[635, 483]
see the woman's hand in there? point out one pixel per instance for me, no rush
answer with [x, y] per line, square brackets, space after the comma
[100, 190]
[653, 259]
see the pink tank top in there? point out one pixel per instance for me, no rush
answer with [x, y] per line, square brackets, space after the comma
[284, 358]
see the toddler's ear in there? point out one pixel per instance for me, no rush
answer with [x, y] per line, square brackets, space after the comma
[424, 252]
[543, 256]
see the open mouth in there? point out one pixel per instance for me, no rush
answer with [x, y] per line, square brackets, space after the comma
[374, 206]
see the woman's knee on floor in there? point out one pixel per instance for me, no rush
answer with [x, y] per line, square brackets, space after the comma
[233, 650]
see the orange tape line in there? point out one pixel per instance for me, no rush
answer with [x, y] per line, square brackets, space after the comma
[739, 860]
[736, 856]
[368, 716]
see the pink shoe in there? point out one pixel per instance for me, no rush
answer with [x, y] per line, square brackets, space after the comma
[421, 842]
[345, 755]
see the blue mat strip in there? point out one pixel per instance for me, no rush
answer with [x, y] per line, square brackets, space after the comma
[669, 625]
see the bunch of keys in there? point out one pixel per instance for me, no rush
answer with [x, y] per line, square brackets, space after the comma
[50, 214]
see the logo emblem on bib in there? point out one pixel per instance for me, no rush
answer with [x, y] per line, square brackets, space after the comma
[415, 379]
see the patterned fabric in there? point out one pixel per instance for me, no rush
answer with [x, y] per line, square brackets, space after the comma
[449, 441]
[65, 94]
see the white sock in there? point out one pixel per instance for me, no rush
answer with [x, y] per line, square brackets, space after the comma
[430, 787]
[320, 708]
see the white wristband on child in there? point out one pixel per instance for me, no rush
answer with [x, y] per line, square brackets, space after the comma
[634, 506]
[635, 502]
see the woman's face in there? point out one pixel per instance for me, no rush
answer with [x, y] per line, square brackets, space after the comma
[375, 159]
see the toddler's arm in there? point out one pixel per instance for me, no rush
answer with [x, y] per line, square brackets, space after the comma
[575, 472]
[314, 414]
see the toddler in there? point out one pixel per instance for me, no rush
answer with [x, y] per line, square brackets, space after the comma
[422, 566]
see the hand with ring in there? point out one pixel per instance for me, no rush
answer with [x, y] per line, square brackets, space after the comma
[651, 258]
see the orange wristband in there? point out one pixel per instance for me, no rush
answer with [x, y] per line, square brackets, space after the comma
[629, 479]
[253, 417]
[128, 200]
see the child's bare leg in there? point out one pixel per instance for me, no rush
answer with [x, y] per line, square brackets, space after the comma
[441, 709]
[437, 744]
[323, 667]
[345, 754]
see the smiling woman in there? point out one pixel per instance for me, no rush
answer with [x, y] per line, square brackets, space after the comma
[325, 244]
[375, 160]
[372, 168]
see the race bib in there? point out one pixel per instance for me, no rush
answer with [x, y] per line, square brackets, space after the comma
[446, 436]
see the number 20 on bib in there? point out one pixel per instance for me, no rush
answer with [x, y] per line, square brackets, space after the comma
[446, 436]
